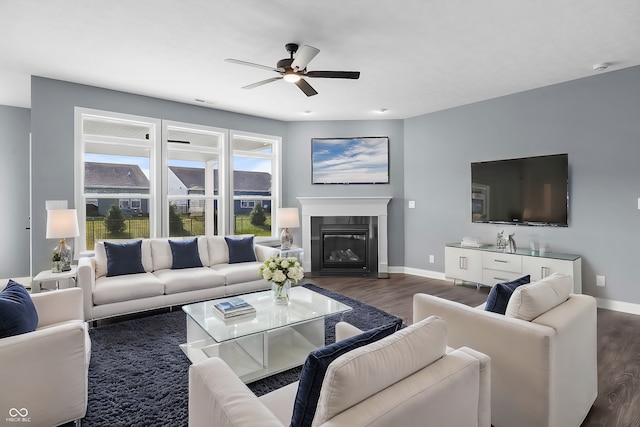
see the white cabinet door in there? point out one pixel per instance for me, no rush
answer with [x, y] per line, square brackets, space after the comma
[463, 264]
[539, 268]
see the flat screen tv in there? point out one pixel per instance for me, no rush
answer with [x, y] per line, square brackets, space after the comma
[525, 191]
[358, 160]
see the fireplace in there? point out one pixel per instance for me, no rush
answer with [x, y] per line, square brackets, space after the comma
[344, 245]
[316, 209]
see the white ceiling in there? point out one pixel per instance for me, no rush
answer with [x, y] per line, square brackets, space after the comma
[415, 56]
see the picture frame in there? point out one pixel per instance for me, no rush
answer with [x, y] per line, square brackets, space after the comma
[352, 160]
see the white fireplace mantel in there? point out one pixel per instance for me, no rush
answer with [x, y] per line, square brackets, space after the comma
[346, 206]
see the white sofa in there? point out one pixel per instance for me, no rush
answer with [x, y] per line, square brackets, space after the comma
[45, 372]
[160, 286]
[408, 378]
[543, 371]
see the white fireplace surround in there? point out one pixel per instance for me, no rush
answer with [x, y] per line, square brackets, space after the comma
[346, 206]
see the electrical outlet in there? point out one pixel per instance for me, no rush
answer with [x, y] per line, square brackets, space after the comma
[432, 259]
[600, 281]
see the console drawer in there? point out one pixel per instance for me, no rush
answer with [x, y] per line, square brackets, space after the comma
[502, 262]
[491, 277]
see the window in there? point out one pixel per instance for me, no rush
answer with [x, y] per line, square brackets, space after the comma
[141, 177]
[192, 179]
[115, 179]
[255, 182]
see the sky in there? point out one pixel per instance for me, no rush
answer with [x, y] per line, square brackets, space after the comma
[354, 160]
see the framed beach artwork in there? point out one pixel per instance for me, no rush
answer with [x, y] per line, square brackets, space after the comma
[359, 160]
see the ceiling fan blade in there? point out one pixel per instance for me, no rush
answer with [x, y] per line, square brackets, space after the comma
[334, 74]
[263, 82]
[304, 56]
[251, 64]
[306, 87]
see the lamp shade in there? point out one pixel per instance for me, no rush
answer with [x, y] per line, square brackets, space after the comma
[62, 223]
[288, 218]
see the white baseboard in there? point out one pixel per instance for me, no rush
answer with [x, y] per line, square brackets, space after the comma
[621, 306]
[419, 272]
[625, 307]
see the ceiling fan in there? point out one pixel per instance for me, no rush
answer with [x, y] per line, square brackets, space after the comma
[292, 70]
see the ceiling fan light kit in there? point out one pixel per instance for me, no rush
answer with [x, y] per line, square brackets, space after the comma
[294, 69]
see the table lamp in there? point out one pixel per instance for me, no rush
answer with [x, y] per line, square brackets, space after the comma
[287, 218]
[62, 223]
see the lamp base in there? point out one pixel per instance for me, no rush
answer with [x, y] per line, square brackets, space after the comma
[66, 255]
[286, 240]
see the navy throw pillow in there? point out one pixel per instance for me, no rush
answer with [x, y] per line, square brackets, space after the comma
[185, 254]
[315, 367]
[124, 258]
[240, 249]
[18, 315]
[501, 292]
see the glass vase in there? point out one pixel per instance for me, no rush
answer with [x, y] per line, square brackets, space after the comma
[281, 292]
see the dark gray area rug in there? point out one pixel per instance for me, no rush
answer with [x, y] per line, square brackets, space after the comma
[138, 375]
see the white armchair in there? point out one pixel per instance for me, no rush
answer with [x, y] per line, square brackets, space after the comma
[44, 372]
[408, 378]
[543, 372]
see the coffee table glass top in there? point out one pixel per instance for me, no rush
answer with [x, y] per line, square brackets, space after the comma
[304, 305]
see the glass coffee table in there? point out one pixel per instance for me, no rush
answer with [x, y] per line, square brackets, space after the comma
[272, 340]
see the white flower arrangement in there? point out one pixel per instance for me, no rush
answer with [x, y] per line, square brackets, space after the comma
[278, 270]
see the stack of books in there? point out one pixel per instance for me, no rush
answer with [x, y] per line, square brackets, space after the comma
[233, 307]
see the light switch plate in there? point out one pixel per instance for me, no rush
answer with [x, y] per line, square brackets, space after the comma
[412, 204]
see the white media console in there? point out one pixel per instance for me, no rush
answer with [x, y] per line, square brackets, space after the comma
[489, 265]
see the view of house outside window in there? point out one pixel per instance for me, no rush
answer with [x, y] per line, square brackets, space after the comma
[127, 193]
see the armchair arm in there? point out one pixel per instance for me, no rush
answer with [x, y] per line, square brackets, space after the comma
[58, 306]
[87, 282]
[346, 330]
[217, 397]
[45, 371]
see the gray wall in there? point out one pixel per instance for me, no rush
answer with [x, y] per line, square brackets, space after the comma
[14, 193]
[52, 125]
[297, 171]
[595, 120]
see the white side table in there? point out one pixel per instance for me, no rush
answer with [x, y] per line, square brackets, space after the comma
[49, 276]
[295, 252]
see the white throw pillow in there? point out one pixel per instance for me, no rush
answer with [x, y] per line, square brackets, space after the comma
[530, 301]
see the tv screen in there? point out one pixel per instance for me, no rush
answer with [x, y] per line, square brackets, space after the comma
[526, 191]
[350, 160]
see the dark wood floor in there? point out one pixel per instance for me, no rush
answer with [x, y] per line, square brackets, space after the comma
[618, 402]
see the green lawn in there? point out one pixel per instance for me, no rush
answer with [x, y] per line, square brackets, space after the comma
[138, 227]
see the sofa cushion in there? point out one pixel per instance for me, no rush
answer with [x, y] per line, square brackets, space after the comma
[176, 281]
[185, 254]
[218, 250]
[126, 287]
[363, 372]
[124, 258]
[501, 293]
[530, 301]
[316, 365]
[18, 315]
[101, 257]
[239, 273]
[240, 249]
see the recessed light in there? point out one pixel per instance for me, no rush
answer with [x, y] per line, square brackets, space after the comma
[601, 66]
[381, 110]
[307, 112]
[203, 101]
